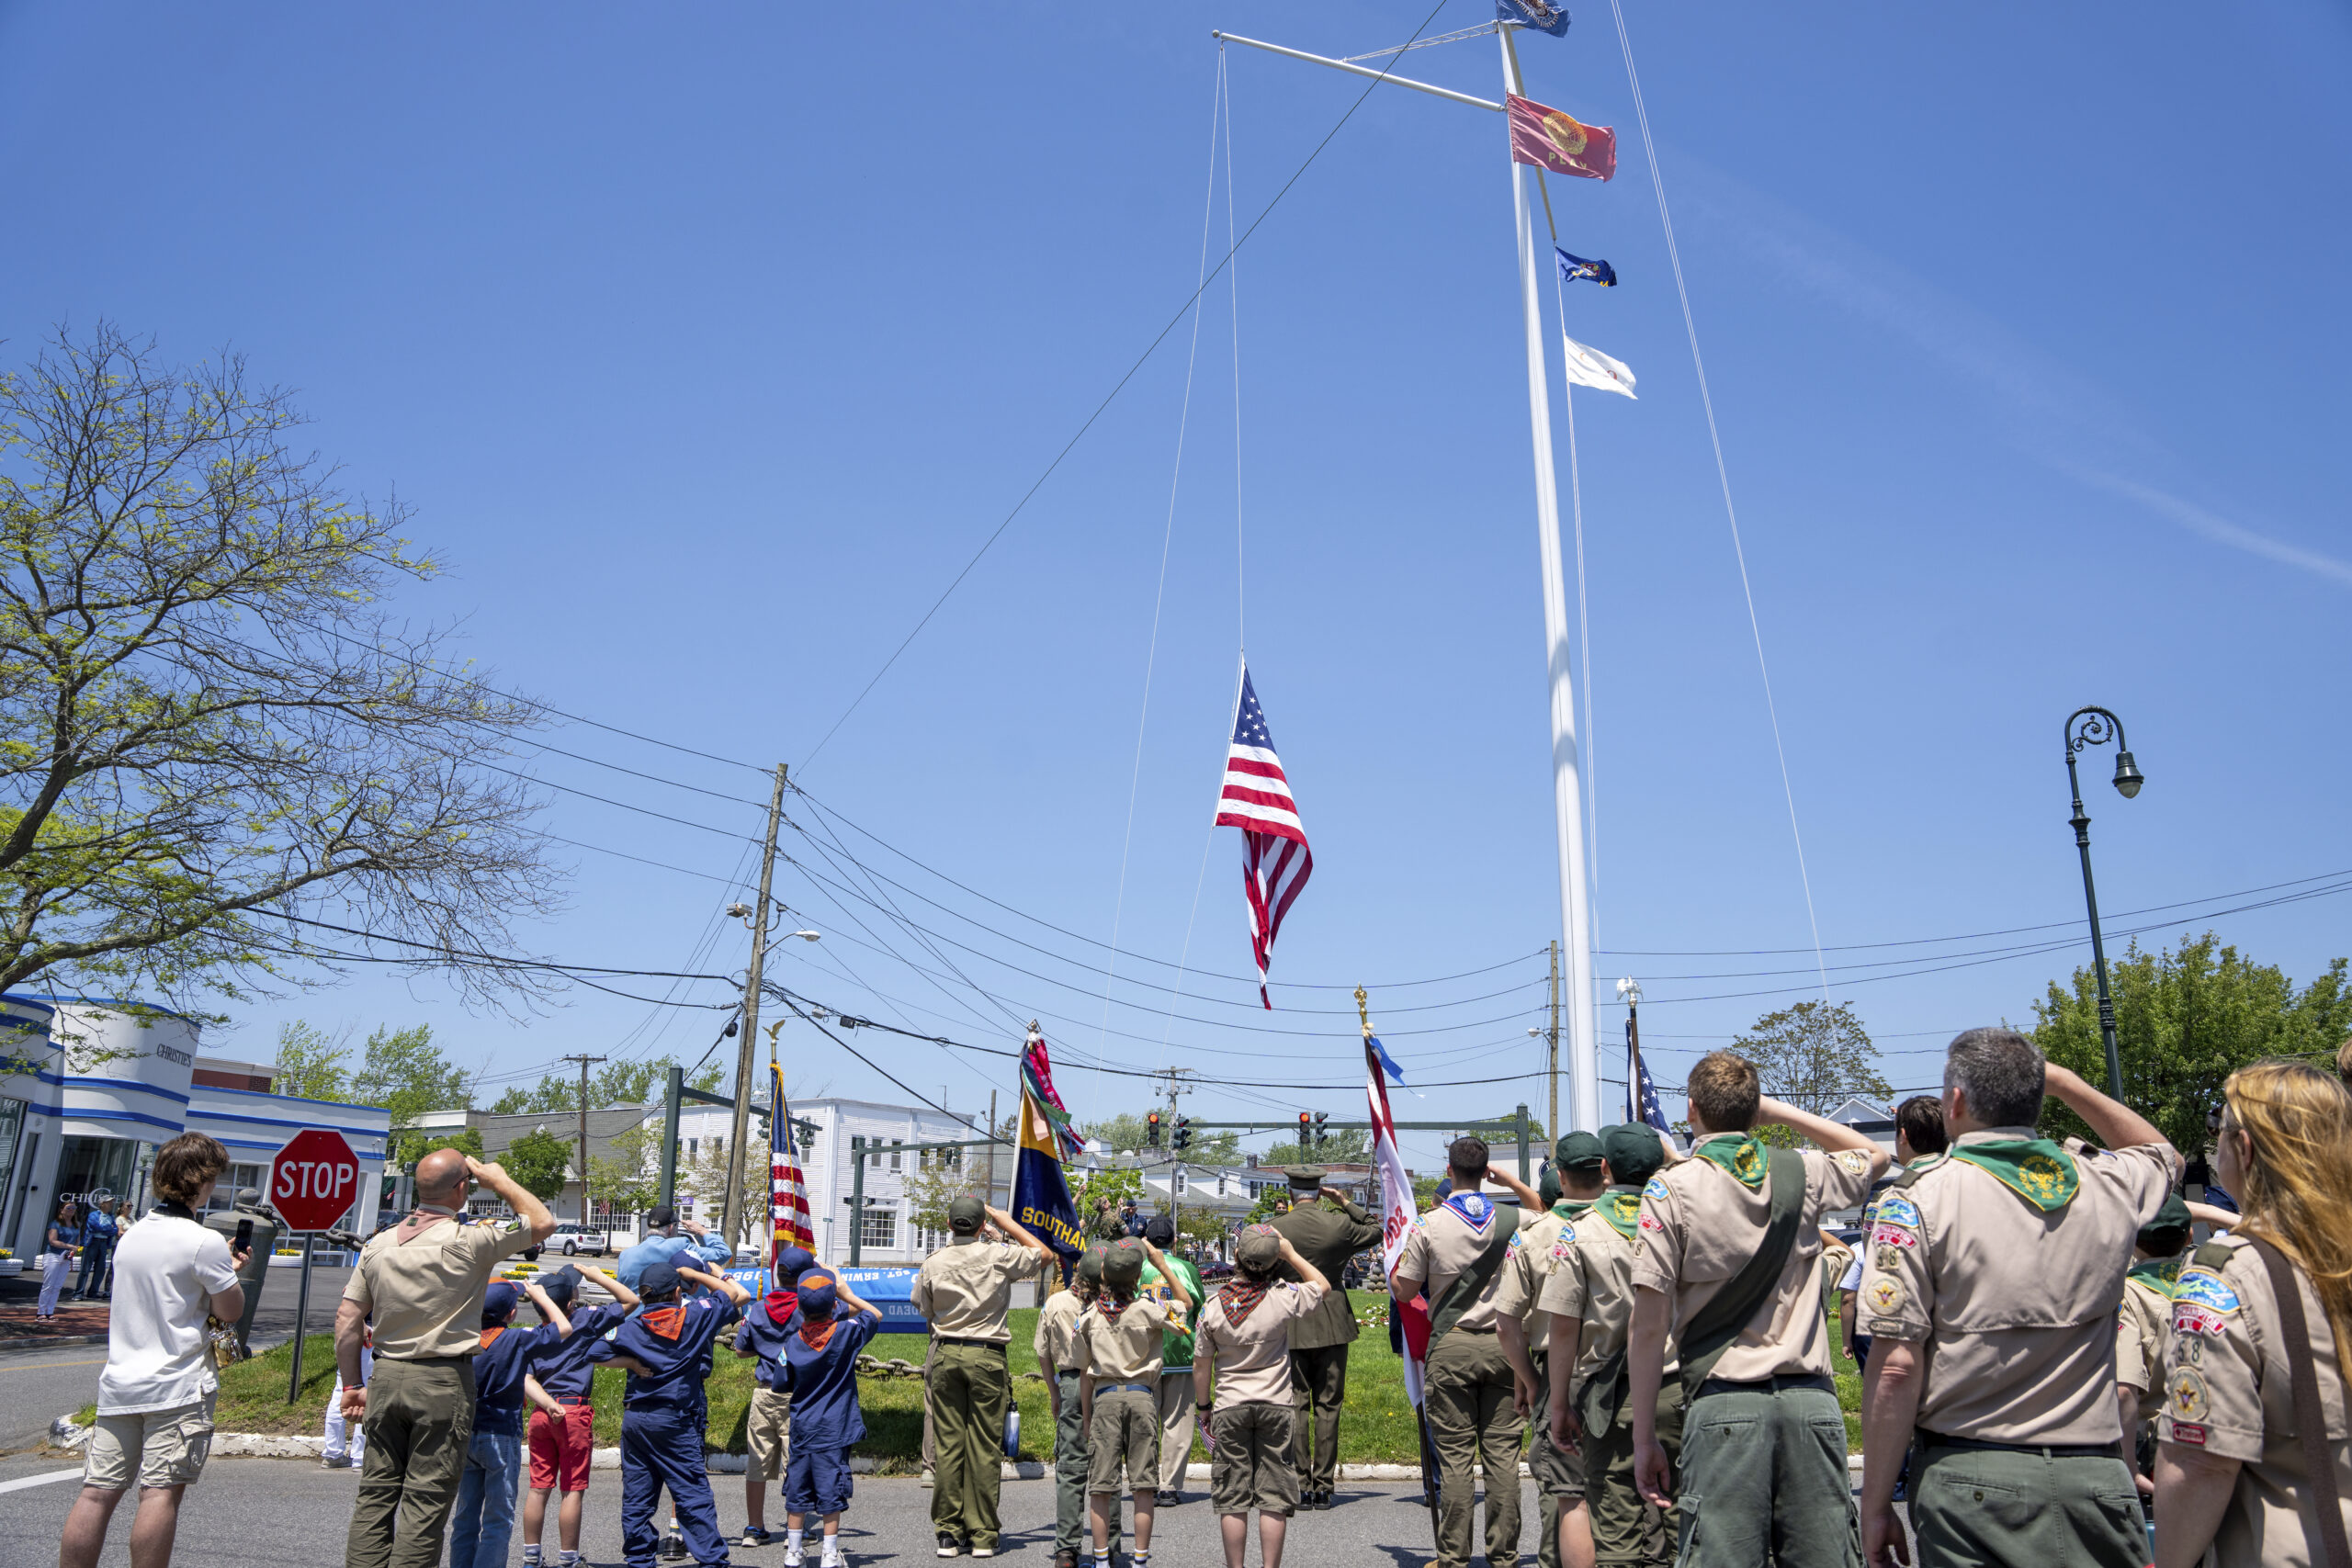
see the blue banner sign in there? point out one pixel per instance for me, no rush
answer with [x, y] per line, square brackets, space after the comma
[888, 1290]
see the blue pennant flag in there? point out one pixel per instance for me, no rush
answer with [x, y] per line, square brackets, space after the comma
[1540, 14]
[1575, 269]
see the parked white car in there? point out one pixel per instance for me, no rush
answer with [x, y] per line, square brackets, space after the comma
[573, 1239]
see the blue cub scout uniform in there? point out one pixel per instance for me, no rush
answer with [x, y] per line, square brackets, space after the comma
[662, 1420]
[826, 1420]
[563, 1366]
[764, 1334]
[506, 1355]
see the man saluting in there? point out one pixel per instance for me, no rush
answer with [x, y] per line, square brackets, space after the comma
[1327, 1228]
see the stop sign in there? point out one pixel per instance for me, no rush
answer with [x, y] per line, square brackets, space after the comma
[314, 1178]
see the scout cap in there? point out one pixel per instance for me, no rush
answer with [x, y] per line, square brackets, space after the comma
[659, 1279]
[661, 1215]
[818, 1297]
[1260, 1249]
[561, 1285]
[1549, 1188]
[1304, 1178]
[1123, 1265]
[1090, 1267]
[2168, 1232]
[1577, 1151]
[1632, 1151]
[1161, 1231]
[498, 1305]
[793, 1262]
[965, 1213]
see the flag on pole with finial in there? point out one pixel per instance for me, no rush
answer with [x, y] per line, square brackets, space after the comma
[788, 1193]
[1275, 861]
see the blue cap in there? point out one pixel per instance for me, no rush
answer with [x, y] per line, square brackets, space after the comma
[659, 1279]
[819, 1298]
[793, 1262]
[561, 1285]
[498, 1305]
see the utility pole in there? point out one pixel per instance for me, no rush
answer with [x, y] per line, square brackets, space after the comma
[991, 1197]
[1551, 1112]
[734, 1205]
[584, 1062]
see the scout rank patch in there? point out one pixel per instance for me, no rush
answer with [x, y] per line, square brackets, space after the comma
[2188, 1399]
[1883, 1293]
[1853, 1162]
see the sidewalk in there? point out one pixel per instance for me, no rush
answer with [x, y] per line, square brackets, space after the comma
[84, 1323]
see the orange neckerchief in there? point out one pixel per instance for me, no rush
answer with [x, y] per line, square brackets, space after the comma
[817, 1335]
[489, 1337]
[666, 1321]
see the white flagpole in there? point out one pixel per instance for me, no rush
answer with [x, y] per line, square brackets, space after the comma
[1567, 781]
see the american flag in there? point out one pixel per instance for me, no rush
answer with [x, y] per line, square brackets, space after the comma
[1275, 861]
[1641, 1094]
[788, 1210]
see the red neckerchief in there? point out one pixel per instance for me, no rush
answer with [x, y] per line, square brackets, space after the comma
[665, 1321]
[1241, 1298]
[780, 1305]
[815, 1335]
[1111, 1305]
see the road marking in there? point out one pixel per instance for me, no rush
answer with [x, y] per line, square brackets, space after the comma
[37, 1366]
[38, 1479]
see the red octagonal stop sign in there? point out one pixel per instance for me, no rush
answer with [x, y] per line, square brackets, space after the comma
[315, 1179]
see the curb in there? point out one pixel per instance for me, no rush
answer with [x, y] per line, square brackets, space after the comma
[48, 1342]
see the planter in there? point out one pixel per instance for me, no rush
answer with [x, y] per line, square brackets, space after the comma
[11, 1267]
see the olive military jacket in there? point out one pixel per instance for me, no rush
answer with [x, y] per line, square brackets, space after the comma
[1326, 1235]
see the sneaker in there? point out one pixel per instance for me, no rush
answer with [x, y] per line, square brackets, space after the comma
[753, 1535]
[926, 1475]
[984, 1551]
[673, 1546]
[334, 1462]
[950, 1544]
[792, 1559]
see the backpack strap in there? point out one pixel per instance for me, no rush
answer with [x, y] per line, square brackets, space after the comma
[2311, 1416]
[2212, 1255]
[1471, 1284]
[1716, 1325]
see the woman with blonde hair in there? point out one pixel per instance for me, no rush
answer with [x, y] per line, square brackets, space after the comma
[2254, 1464]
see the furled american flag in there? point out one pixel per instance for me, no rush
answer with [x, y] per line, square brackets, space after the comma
[1275, 861]
[788, 1210]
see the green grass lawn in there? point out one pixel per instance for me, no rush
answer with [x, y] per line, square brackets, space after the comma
[1378, 1427]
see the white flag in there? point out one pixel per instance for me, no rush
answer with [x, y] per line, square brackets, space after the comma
[1590, 367]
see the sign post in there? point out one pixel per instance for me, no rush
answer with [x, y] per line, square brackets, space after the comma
[314, 1178]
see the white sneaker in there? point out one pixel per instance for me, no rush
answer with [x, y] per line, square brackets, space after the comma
[792, 1559]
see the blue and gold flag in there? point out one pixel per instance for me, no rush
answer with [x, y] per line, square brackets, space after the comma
[1041, 1200]
[1576, 269]
[1541, 16]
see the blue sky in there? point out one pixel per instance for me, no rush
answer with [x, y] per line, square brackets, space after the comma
[708, 344]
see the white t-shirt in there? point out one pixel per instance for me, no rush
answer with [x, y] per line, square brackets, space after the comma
[158, 1357]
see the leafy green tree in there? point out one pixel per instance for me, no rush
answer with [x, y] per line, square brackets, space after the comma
[411, 1146]
[311, 1062]
[621, 1083]
[539, 1159]
[1129, 1132]
[2185, 1019]
[628, 1179]
[1348, 1145]
[211, 730]
[1089, 1192]
[1816, 1056]
[404, 1072]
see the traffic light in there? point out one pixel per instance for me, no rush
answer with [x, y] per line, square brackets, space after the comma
[1151, 1128]
[1184, 1132]
[1321, 1136]
[1306, 1129]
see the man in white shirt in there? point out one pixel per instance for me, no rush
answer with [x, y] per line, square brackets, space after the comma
[155, 1395]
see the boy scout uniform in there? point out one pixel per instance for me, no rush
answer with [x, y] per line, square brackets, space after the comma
[2003, 1263]
[1123, 1356]
[1763, 1469]
[1593, 1283]
[1057, 1344]
[2229, 1391]
[965, 1291]
[1468, 1388]
[1326, 1236]
[1558, 1475]
[1245, 1337]
[2142, 1323]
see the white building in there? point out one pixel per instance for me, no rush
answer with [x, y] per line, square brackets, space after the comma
[90, 1088]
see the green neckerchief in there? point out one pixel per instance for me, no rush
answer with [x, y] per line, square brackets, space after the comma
[2161, 1275]
[1621, 1207]
[1569, 1208]
[2034, 1168]
[1742, 1155]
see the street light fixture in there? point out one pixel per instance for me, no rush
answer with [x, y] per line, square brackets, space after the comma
[2095, 727]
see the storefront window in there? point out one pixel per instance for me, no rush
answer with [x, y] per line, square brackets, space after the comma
[234, 1180]
[104, 1166]
[12, 1131]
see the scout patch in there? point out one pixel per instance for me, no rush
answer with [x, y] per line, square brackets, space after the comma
[1893, 1236]
[1853, 1162]
[1564, 1248]
[1473, 1209]
[1884, 1294]
[1654, 1187]
[2208, 1290]
[2183, 1432]
[1887, 1326]
[2188, 1317]
[1894, 1209]
[2034, 1168]
[2187, 1390]
[1742, 1157]
[1652, 1222]
[1887, 1259]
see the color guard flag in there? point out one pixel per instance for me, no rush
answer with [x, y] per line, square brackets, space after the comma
[788, 1194]
[1590, 367]
[1275, 861]
[1539, 15]
[1641, 1094]
[1576, 269]
[1041, 1198]
[1396, 1208]
[1558, 141]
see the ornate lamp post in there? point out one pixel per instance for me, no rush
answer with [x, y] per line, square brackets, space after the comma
[2095, 727]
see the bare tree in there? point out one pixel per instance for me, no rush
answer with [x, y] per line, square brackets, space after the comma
[211, 734]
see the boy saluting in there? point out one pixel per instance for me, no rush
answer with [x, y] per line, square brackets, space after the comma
[666, 1349]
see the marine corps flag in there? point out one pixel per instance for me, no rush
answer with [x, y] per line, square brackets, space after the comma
[1041, 1198]
[1558, 141]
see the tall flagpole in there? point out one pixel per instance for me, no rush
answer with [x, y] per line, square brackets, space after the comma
[1567, 780]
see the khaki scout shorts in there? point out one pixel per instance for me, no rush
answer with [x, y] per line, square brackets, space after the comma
[1557, 1473]
[168, 1448]
[1126, 1427]
[1252, 1467]
[767, 1428]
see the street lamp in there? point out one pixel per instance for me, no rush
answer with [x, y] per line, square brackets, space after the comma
[2095, 727]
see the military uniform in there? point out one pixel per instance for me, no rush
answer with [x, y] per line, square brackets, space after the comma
[1558, 1474]
[965, 1291]
[1763, 1469]
[1055, 1346]
[1468, 1386]
[1592, 1281]
[1326, 1236]
[2003, 1262]
[2228, 1391]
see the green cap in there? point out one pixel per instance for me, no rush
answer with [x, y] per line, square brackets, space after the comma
[2169, 1229]
[1090, 1267]
[1633, 1153]
[965, 1213]
[1577, 1151]
[1123, 1264]
[1260, 1249]
[1549, 1188]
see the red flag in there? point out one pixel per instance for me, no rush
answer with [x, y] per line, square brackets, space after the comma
[1558, 141]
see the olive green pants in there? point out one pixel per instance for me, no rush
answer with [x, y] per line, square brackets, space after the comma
[1473, 1421]
[1626, 1531]
[1558, 1474]
[1763, 1478]
[1995, 1506]
[1070, 1469]
[1318, 1386]
[968, 1390]
[420, 1421]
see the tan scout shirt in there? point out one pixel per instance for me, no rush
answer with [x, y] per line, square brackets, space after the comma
[1530, 1265]
[1057, 1332]
[966, 1288]
[1700, 1224]
[1593, 1283]
[2015, 1307]
[2142, 1323]
[2227, 1391]
[1441, 1245]
[1252, 1361]
[1128, 1350]
[426, 1297]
